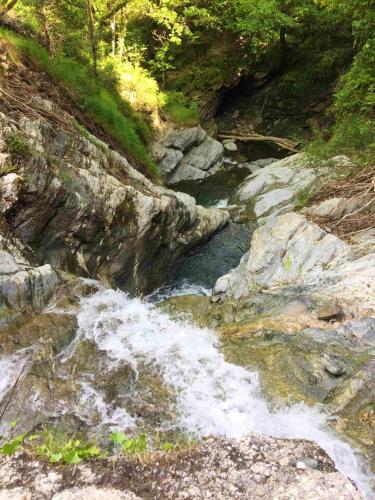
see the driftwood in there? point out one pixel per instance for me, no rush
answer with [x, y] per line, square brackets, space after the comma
[238, 136]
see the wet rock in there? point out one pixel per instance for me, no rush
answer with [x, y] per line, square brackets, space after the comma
[24, 286]
[254, 466]
[84, 209]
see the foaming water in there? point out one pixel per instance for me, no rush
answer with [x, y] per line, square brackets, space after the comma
[92, 408]
[184, 288]
[213, 396]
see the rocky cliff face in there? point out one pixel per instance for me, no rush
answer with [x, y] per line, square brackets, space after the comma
[82, 207]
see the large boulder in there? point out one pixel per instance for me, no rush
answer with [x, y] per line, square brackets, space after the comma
[83, 208]
[188, 154]
[291, 252]
[274, 189]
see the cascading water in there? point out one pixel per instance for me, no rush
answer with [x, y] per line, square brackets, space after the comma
[212, 396]
[209, 395]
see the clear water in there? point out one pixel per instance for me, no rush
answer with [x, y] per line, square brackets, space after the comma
[202, 267]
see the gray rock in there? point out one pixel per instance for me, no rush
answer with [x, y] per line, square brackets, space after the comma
[184, 139]
[272, 190]
[169, 160]
[186, 172]
[83, 208]
[334, 367]
[24, 287]
[230, 146]
[206, 155]
[289, 251]
[188, 155]
[252, 467]
[264, 162]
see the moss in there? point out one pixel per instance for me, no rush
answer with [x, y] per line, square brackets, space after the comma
[18, 148]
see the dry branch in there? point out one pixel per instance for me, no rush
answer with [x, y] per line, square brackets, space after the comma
[239, 136]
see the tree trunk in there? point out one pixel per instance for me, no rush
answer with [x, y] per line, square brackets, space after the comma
[113, 29]
[92, 36]
[283, 48]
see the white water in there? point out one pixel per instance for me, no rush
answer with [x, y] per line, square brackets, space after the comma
[214, 397]
[221, 203]
[92, 408]
[184, 288]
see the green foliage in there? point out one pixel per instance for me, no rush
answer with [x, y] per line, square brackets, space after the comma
[10, 447]
[193, 48]
[103, 107]
[18, 147]
[133, 83]
[58, 448]
[178, 111]
[316, 70]
[133, 445]
[356, 90]
[352, 135]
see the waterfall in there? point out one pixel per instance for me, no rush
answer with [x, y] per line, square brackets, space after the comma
[212, 395]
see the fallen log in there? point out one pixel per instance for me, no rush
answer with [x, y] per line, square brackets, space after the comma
[239, 136]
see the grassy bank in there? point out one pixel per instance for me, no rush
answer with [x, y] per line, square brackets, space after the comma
[101, 105]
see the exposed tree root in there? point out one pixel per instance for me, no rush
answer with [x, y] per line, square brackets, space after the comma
[357, 212]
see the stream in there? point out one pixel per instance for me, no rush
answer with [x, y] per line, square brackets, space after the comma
[128, 365]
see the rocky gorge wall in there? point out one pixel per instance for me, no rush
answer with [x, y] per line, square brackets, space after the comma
[82, 208]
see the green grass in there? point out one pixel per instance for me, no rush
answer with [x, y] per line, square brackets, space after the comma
[302, 198]
[102, 106]
[178, 111]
